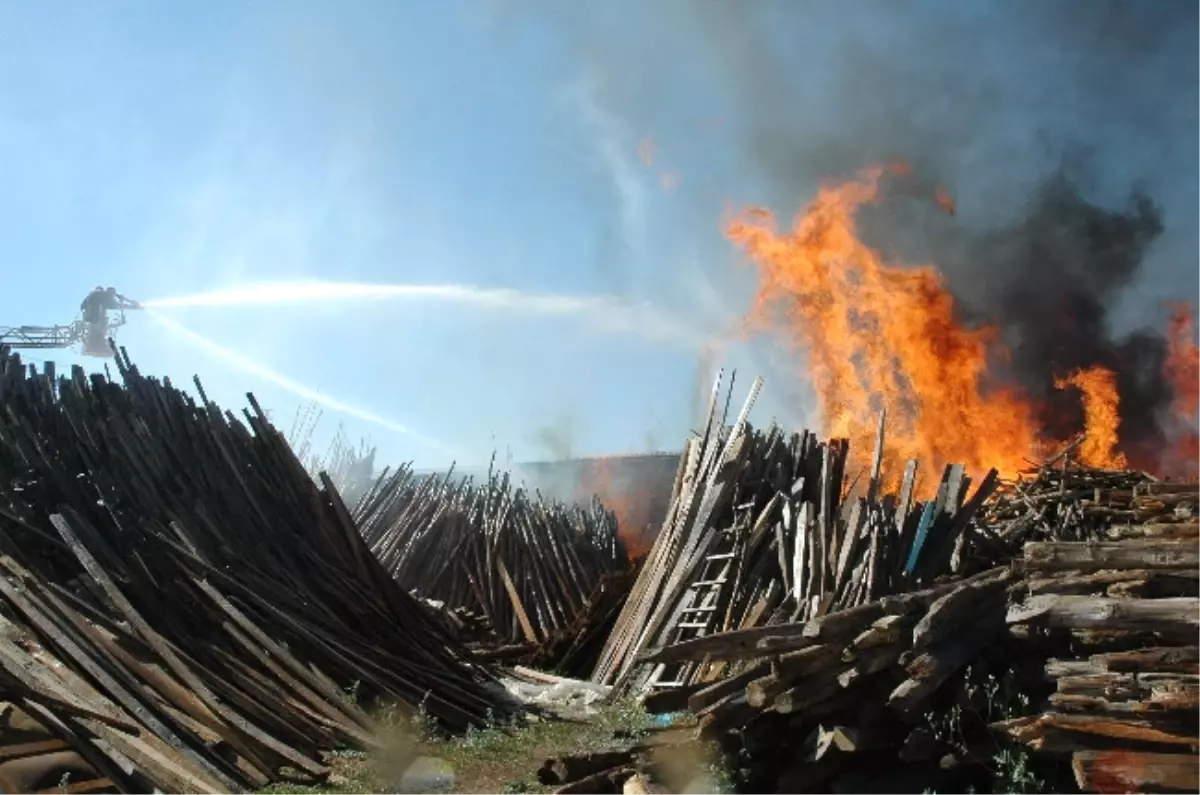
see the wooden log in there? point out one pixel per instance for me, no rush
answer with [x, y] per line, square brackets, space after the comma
[867, 662]
[565, 769]
[782, 638]
[796, 664]
[1158, 585]
[1134, 771]
[810, 691]
[886, 631]
[1096, 583]
[605, 782]
[1171, 659]
[1176, 617]
[762, 691]
[1146, 553]
[950, 612]
[699, 701]
[928, 671]
[1169, 691]
[1058, 732]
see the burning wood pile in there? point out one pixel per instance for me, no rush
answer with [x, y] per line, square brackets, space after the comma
[183, 606]
[829, 642]
[519, 577]
[763, 530]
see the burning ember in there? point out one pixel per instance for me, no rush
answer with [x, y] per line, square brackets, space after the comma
[879, 336]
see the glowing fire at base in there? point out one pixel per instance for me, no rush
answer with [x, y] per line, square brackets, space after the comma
[883, 336]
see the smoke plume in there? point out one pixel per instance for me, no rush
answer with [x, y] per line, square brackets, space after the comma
[1055, 276]
[1066, 133]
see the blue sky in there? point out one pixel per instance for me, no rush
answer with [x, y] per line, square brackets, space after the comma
[171, 148]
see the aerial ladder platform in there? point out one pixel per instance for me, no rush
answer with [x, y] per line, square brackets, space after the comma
[101, 313]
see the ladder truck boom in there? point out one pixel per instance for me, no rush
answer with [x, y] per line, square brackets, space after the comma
[41, 337]
[101, 314]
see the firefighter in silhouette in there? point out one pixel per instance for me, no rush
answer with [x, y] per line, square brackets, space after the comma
[95, 308]
[100, 301]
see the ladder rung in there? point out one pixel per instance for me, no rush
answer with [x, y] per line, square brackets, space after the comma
[692, 625]
[722, 556]
[668, 684]
[708, 583]
[698, 610]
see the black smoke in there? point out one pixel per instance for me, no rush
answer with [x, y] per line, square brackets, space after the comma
[1050, 281]
[1066, 130]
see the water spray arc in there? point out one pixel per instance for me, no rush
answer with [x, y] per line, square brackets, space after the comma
[253, 368]
[607, 312]
[301, 292]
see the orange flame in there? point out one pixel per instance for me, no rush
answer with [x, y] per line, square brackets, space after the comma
[631, 504]
[879, 335]
[1101, 416]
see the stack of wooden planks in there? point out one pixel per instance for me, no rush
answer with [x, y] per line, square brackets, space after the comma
[183, 605]
[1119, 619]
[767, 528]
[34, 758]
[532, 570]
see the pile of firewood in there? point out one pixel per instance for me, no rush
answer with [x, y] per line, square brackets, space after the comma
[1118, 620]
[765, 528]
[867, 670]
[183, 605]
[496, 557]
[826, 638]
[1066, 502]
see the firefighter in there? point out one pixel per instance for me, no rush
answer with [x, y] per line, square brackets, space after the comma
[95, 306]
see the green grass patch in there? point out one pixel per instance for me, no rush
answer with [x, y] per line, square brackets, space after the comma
[499, 758]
